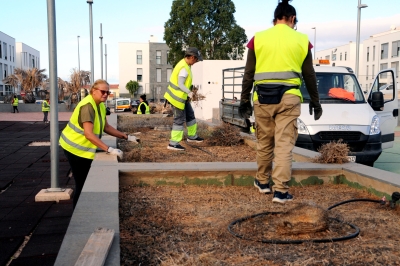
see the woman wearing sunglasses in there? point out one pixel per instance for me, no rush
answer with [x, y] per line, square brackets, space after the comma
[82, 135]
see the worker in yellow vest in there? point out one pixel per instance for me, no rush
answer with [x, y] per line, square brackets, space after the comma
[143, 107]
[45, 110]
[14, 103]
[278, 58]
[178, 95]
[82, 135]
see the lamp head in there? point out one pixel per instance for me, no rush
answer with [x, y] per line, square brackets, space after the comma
[89, 1]
[362, 6]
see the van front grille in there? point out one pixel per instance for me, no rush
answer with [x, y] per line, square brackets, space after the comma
[345, 136]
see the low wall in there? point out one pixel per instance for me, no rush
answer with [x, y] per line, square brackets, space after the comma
[32, 107]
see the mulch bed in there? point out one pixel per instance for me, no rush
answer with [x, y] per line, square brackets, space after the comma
[188, 225]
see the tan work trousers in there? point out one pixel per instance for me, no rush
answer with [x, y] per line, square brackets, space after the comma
[276, 131]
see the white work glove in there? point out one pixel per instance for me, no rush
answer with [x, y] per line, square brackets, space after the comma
[114, 151]
[132, 139]
[190, 95]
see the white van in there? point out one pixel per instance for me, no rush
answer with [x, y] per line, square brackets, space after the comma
[365, 121]
[122, 105]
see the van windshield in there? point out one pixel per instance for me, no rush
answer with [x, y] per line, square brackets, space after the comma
[336, 88]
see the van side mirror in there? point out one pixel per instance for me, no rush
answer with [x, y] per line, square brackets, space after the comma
[377, 101]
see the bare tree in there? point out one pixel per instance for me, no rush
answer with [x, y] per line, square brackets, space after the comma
[29, 80]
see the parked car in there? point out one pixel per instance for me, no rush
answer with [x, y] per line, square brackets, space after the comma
[135, 103]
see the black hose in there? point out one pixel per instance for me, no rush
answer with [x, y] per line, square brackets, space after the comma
[196, 147]
[300, 241]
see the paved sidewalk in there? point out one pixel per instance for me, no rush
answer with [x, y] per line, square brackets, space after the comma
[32, 116]
[24, 171]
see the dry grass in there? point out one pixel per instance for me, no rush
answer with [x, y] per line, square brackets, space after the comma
[225, 135]
[187, 225]
[333, 152]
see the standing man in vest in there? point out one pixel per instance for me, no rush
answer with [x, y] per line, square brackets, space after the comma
[278, 58]
[14, 103]
[45, 110]
[178, 95]
[82, 135]
[143, 107]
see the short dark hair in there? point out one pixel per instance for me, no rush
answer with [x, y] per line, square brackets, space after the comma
[143, 97]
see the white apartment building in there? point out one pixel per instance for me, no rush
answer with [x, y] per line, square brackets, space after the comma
[381, 51]
[7, 61]
[26, 56]
[343, 55]
[147, 64]
[15, 55]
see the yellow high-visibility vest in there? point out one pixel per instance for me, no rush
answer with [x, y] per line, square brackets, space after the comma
[139, 112]
[45, 106]
[174, 94]
[280, 52]
[73, 138]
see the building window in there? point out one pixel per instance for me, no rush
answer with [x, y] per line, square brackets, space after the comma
[373, 71]
[384, 66]
[139, 57]
[384, 51]
[327, 57]
[395, 65]
[9, 50]
[367, 54]
[340, 56]
[396, 49]
[345, 56]
[367, 73]
[169, 72]
[333, 57]
[139, 77]
[158, 57]
[167, 57]
[158, 74]
[5, 50]
[1, 51]
[5, 71]
[373, 53]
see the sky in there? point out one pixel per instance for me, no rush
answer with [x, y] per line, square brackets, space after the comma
[135, 21]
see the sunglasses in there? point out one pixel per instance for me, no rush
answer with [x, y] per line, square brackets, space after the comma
[104, 92]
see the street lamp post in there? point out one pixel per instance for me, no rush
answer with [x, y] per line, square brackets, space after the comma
[358, 32]
[315, 41]
[90, 2]
[101, 50]
[105, 59]
[79, 59]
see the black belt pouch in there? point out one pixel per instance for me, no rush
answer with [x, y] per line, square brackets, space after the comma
[271, 94]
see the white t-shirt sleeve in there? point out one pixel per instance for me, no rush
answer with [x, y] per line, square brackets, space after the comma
[183, 74]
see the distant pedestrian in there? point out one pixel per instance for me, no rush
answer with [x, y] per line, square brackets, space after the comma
[143, 107]
[14, 103]
[45, 110]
